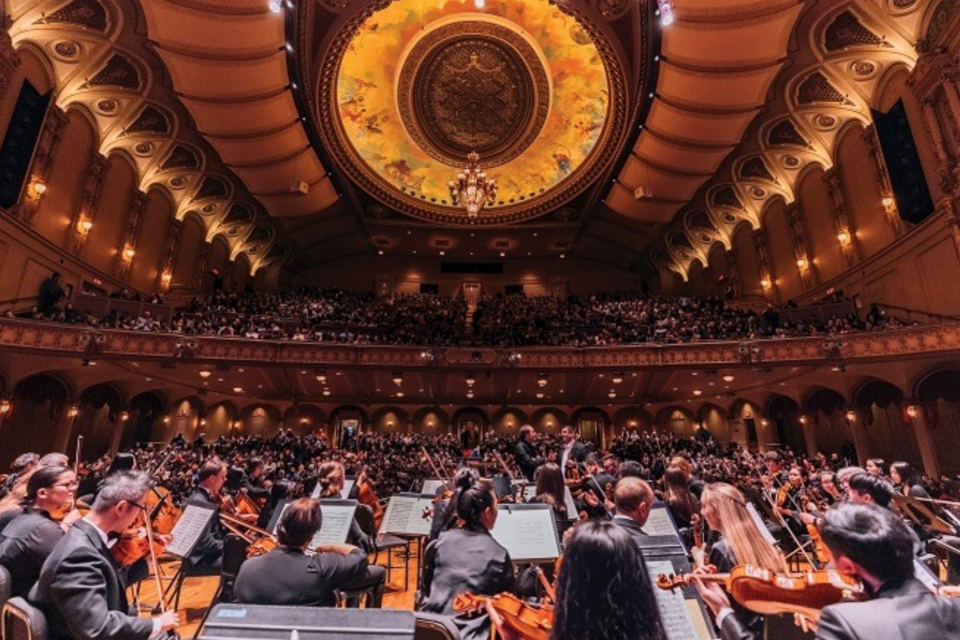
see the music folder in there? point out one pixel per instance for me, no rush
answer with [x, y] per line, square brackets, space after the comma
[404, 515]
[527, 532]
[188, 530]
[337, 516]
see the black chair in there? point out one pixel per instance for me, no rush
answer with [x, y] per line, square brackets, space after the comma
[234, 555]
[431, 626]
[6, 588]
[23, 621]
[428, 555]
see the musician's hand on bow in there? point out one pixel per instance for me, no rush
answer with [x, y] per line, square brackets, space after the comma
[169, 620]
[505, 632]
[591, 498]
[807, 518]
[712, 594]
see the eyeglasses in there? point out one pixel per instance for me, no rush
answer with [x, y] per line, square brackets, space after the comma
[67, 485]
[137, 505]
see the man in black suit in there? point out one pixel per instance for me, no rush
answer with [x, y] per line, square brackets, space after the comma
[633, 498]
[874, 545]
[525, 453]
[288, 576]
[208, 552]
[571, 449]
[80, 589]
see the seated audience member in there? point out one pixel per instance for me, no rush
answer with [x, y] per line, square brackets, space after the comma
[289, 575]
[467, 559]
[30, 538]
[80, 589]
[604, 590]
[875, 546]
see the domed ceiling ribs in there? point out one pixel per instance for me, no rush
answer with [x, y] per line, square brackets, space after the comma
[101, 66]
[846, 51]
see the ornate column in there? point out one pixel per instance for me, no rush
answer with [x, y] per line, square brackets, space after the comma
[8, 57]
[736, 283]
[808, 272]
[173, 241]
[859, 435]
[932, 123]
[26, 209]
[767, 277]
[82, 220]
[138, 202]
[809, 437]
[883, 179]
[846, 231]
[927, 444]
[202, 264]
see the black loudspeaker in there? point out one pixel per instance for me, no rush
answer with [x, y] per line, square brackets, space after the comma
[267, 622]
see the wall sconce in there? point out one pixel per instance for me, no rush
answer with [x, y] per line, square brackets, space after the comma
[304, 421]
[843, 237]
[390, 423]
[128, 253]
[802, 263]
[238, 389]
[39, 188]
[765, 283]
[852, 415]
[72, 411]
[166, 278]
[124, 416]
[728, 377]
[617, 378]
[399, 394]
[633, 423]
[612, 394]
[321, 377]
[888, 201]
[84, 226]
[542, 380]
[5, 407]
[913, 411]
[205, 373]
[203, 422]
[765, 422]
[166, 419]
[326, 392]
[804, 420]
[397, 378]
[540, 396]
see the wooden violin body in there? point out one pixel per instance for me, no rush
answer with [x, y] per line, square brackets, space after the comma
[532, 623]
[135, 545]
[770, 593]
[159, 504]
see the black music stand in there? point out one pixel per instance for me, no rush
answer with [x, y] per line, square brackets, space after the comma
[268, 622]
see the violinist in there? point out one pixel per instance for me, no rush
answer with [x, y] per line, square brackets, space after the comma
[603, 591]
[570, 447]
[790, 500]
[828, 492]
[10, 505]
[634, 499]
[208, 552]
[681, 502]
[875, 546]
[550, 490]
[31, 537]
[876, 467]
[467, 559]
[252, 481]
[290, 574]
[598, 486]
[80, 588]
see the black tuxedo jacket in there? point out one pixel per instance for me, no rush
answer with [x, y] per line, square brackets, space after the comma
[209, 548]
[290, 577]
[527, 458]
[82, 594]
[904, 610]
[25, 544]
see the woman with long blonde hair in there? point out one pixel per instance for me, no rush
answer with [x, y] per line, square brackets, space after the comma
[725, 511]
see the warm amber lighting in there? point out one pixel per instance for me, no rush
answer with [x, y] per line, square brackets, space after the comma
[912, 411]
[166, 419]
[5, 407]
[540, 395]
[39, 188]
[167, 277]
[852, 416]
[843, 237]
[73, 411]
[205, 373]
[888, 201]
[612, 394]
[128, 253]
[397, 379]
[765, 283]
[203, 422]
[804, 420]
[697, 392]
[321, 377]
[802, 263]
[326, 392]
[728, 377]
[399, 394]
[85, 226]
[238, 389]
[542, 380]
[124, 416]
[617, 378]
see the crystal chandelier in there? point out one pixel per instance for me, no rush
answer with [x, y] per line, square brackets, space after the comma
[472, 188]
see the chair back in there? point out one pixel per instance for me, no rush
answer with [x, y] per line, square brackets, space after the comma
[234, 554]
[6, 588]
[23, 621]
[365, 520]
[435, 627]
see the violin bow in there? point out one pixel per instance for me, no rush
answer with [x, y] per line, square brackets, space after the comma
[783, 522]
[156, 567]
[433, 465]
[76, 460]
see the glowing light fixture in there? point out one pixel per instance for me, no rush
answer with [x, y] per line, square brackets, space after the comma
[472, 189]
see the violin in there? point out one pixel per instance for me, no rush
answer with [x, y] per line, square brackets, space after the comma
[163, 513]
[771, 593]
[531, 622]
[135, 544]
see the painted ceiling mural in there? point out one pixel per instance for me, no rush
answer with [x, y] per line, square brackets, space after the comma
[421, 85]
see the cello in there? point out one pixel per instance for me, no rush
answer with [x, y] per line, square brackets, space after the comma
[367, 495]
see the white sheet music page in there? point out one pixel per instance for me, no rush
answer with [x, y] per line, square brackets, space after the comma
[527, 534]
[404, 515]
[673, 609]
[188, 530]
[430, 486]
[337, 519]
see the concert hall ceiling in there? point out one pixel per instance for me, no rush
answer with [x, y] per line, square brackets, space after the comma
[327, 129]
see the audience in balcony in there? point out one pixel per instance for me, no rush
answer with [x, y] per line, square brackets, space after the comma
[330, 315]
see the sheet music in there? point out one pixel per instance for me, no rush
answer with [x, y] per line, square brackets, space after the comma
[191, 525]
[757, 520]
[568, 501]
[673, 608]
[527, 532]
[659, 523]
[430, 486]
[404, 515]
[336, 518]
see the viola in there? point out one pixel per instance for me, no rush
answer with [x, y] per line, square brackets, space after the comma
[531, 622]
[136, 544]
[771, 593]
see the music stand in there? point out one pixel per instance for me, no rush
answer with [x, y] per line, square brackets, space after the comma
[268, 622]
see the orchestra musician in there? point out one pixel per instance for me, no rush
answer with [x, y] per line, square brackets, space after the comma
[680, 500]
[292, 575]
[30, 538]
[875, 546]
[828, 492]
[467, 559]
[11, 504]
[20, 465]
[603, 591]
[790, 499]
[80, 588]
[598, 487]
[550, 490]
[875, 466]
[634, 499]
[571, 448]
[525, 452]
[208, 552]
